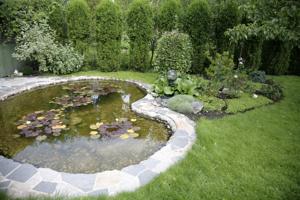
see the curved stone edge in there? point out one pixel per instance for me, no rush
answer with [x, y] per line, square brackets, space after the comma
[23, 180]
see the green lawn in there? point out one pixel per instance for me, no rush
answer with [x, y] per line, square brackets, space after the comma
[252, 155]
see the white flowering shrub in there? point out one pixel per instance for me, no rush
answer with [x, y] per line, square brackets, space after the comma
[36, 43]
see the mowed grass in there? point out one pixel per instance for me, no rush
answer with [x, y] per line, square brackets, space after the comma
[252, 155]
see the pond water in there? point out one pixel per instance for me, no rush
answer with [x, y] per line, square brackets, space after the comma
[79, 127]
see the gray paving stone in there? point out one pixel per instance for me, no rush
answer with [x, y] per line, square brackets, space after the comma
[146, 177]
[150, 163]
[4, 184]
[46, 187]
[181, 133]
[85, 182]
[7, 165]
[23, 173]
[178, 142]
[98, 192]
[134, 169]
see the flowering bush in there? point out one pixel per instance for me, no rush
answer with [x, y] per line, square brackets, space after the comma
[36, 43]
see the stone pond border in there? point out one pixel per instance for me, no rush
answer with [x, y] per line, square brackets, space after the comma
[23, 180]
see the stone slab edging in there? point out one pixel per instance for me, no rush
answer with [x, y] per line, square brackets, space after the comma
[23, 180]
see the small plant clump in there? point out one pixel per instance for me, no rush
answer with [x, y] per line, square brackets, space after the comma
[41, 124]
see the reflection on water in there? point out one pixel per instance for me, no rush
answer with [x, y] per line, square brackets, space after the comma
[74, 151]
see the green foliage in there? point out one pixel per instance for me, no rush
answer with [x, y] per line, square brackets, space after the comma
[58, 21]
[140, 28]
[182, 103]
[226, 16]
[174, 51]
[258, 76]
[36, 43]
[269, 20]
[78, 18]
[196, 22]
[280, 61]
[212, 104]
[246, 102]
[221, 66]
[14, 12]
[168, 15]
[272, 90]
[108, 35]
[189, 85]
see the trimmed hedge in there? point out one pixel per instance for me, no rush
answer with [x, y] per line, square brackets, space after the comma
[168, 15]
[108, 35]
[140, 31]
[78, 18]
[174, 51]
[196, 22]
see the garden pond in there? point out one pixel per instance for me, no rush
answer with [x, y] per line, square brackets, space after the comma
[79, 127]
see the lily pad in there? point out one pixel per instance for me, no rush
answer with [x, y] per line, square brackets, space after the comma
[20, 127]
[41, 137]
[133, 120]
[124, 136]
[93, 126]
[134, 135]
[75, 121]
[93, 132]
[130, 131]
[95, 136]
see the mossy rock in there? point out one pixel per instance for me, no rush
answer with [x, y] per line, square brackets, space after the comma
[185, 104]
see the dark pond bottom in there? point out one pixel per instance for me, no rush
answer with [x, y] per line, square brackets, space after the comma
[80, 127]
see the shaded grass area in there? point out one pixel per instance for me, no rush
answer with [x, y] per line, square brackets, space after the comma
[252, 155]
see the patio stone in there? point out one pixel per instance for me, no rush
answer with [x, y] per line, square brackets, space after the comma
[23, 173]
[134, 169]
[99, 192]
[7, 166]
[178, 142]
[85, 182]
[146, 177]
[46, 187]
[4, 184]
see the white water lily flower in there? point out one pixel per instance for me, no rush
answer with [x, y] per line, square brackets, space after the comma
[255, 96]
[235, 76]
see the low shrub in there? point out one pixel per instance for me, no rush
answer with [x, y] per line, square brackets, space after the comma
[174, 51]
[37, 44]
[184, 104]
[272, 90]
[258, 76]
[212, 104]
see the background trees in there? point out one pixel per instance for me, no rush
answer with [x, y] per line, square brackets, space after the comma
[140, 31]
[265, 33]
[78, 18]
[197, 23]
[108, 35]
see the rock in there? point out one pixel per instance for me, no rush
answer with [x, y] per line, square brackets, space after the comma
[197, 107]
